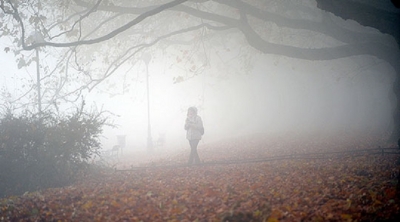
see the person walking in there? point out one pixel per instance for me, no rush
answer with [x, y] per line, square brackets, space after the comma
[194, 131]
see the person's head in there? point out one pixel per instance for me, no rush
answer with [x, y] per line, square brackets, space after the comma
[192, 111]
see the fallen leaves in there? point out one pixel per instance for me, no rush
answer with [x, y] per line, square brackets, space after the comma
[336, 189]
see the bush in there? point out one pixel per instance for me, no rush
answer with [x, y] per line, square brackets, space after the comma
[38, 153]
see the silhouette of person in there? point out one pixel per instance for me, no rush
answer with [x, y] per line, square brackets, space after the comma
[194, 131]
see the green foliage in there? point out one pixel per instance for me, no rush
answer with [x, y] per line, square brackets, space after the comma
[37, 153]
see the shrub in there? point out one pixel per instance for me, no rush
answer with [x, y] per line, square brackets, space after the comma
[38, 153]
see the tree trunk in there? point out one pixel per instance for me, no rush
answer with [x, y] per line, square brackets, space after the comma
[395, 135]
[386, 22]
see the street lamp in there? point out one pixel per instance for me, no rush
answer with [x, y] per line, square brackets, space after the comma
[38, 38]
[146, 59]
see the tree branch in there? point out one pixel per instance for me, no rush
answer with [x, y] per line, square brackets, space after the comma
[140, 47]
[110, 35]
[77, 21]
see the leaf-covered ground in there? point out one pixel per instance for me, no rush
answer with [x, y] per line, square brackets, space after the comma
[334, 187]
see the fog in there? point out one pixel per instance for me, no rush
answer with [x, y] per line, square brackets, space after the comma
[274, 95]
[279, 96]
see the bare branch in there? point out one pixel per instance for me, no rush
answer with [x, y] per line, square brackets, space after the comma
[79, 20]
[140, 47]
[110, 35]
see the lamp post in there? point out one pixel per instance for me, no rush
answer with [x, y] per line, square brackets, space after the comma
[38, 83]
[37, 36]
[146, 59]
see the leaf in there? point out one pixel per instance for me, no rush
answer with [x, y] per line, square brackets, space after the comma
[87, 205]
[346, 216]
[390, 192]
[34, 211]
[178, 79]
[21, 63]
[114, 203]
[272, 219]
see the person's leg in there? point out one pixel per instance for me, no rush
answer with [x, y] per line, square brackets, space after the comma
[194, 155]
[191, 157]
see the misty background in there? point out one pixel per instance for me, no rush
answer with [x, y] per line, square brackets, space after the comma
[280, 95]
[269, 94]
